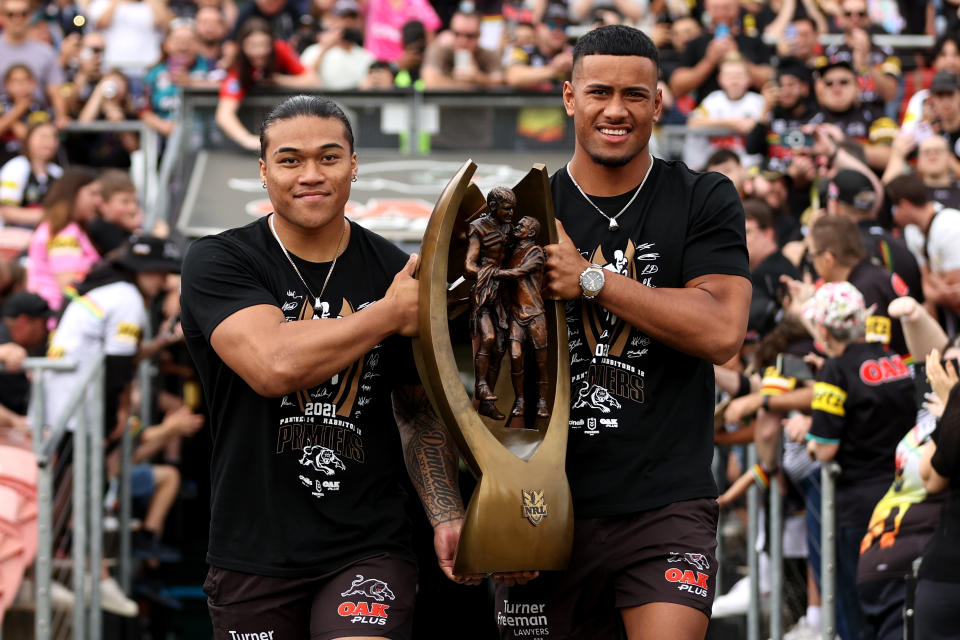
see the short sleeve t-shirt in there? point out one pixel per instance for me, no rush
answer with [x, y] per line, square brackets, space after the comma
[753, 49]
[285, 60]
[111, 318]
[307, 482]
[69, 251]
[39, 56]
[21, 187]
[717, 105]
[940, 247]
[641, 417]
[863, 400]
[879, 288]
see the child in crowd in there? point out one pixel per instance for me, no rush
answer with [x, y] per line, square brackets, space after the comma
[18, 110]
[120, 213]
[732, 107]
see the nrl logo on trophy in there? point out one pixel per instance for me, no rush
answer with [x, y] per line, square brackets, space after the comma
[534, 507]
[493, 358]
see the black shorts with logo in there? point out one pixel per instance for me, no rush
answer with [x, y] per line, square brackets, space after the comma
[661, 555]
[369, 597]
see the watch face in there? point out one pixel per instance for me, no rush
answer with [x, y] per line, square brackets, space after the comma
[592, 280]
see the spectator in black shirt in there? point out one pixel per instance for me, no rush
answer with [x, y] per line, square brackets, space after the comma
[945, 100]
[24, 323]
[702, 56]
[787, 107]
[767, 265]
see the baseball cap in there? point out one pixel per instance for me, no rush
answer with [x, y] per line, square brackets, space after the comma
[346, 8]
[26, 303]
[150, 253]
[839, 59]
[853, 188]
[556, 13]
[944, 81]
[837, 305]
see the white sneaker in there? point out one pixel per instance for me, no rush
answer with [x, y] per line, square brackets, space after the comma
[113, 599]
[802, 631]
[61, 597]
[734, 602]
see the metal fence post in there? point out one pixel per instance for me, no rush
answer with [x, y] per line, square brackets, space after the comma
[753, 561]
[96, 502]
[81, 453]
[828, 548]
[776, 559]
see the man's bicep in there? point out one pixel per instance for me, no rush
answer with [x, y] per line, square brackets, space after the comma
[240, 339]
[733, 293]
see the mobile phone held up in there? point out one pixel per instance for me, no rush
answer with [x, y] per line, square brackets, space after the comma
[722, 30]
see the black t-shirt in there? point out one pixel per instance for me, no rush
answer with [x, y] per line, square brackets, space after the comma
[779, 139]
[283, 23]
[310, 481]
[890, 252]
[753, 49]
[949, 197]
[641, 417]
[942, 558]
[14, 387]
[879, 288]
[863, 400]
[865, 123]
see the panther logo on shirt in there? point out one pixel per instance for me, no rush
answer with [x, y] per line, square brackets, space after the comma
[595, 397]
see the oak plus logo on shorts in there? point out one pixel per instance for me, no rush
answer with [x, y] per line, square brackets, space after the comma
[690, 580]
[366, 612]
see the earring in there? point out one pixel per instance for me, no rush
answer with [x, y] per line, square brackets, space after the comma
[263, 184]
[354, 178]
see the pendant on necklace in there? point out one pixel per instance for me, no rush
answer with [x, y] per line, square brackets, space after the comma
[613, 225]
[316, 304]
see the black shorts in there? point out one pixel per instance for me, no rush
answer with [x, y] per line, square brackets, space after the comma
[662, 555]
[370, 597]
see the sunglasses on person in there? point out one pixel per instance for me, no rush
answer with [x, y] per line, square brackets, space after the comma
[842, 83]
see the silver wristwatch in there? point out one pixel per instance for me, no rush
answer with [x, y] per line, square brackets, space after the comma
[591, 281]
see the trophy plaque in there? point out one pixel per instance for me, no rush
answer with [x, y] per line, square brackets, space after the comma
[493, 358]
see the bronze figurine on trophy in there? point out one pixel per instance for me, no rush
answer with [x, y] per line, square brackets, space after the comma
[481, 270]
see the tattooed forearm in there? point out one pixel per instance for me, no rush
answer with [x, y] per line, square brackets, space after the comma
[430, 455]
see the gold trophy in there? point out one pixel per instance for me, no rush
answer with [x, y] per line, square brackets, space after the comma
[482, 314]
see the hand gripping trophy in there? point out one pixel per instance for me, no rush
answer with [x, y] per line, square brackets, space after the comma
[478, 258]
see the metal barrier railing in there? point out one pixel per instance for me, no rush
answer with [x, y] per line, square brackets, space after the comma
[84, 526]
[828, 548]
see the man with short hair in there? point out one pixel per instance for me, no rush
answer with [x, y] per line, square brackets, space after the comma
[945, 100]
[787, 107]
[838, 254]
[646, 335]
[851, 193]
[546, 64]
[17, 48]
[459, 62]
[25, 317]
[933, 234]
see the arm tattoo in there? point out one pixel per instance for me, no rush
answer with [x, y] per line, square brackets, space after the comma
[429, 453]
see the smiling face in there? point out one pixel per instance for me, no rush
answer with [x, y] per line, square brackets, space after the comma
[614, 102]
[307, 166]
[837, 89]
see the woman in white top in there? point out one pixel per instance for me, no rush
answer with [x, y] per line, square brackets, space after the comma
[25, 179]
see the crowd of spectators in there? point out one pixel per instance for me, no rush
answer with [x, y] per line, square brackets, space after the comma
[846, 157]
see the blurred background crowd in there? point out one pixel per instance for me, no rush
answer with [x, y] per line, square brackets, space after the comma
[837, 121]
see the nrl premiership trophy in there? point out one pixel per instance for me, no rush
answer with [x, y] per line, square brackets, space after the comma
[482, 313]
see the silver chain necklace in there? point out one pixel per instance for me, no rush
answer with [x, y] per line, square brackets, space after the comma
[613, 219]
[316, 299]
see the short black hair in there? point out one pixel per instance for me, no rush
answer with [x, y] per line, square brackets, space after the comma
[303, 105]
[616, 40]
[722, 155]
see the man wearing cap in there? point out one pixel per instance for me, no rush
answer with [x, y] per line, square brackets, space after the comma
[933, 234]
[457, 61]
[863, 403]
[546, 64]
[787, 107]
[839, 99]
[878, 70]
[24, 324]
[852, 194]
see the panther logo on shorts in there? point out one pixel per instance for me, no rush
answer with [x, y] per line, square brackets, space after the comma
[369, 587]
[696, 559]
[595, 397]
